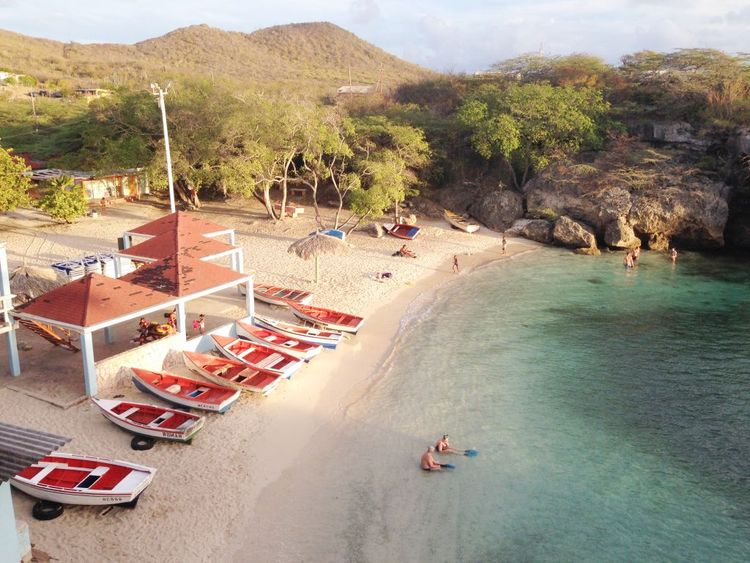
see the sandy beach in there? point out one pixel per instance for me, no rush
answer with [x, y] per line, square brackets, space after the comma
[204, 498]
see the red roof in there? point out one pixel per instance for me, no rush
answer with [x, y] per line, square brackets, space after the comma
[177, 242]
[181, 275]
[179, 221]
[93, 299]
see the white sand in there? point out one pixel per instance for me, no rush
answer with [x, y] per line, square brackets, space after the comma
[200, 505]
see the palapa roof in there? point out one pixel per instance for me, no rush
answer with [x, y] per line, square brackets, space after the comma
[92, 300]
[317, 244]
[179, 221]
[177, 242]
[182, 275]
[22, 447]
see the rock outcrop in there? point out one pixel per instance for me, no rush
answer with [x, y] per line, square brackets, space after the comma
[539, 230]
[498, 209]
[573, 234]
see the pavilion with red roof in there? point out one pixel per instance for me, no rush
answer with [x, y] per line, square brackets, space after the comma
[171, 280]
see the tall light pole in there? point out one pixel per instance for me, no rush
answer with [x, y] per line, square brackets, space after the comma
[161, 93]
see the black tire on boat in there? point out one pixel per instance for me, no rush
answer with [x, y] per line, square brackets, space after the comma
[47, 510]
[142, 443]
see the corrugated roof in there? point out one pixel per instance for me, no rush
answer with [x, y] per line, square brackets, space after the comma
[181, 222]
[181, 275]
[177, 242]
[22, 447]
[93, 299]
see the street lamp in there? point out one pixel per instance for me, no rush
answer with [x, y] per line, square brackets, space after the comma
[156, 91]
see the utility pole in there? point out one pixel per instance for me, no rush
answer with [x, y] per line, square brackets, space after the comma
[33, 109]
[156, 91]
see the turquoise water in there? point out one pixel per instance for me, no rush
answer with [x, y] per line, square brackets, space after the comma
[611, 409]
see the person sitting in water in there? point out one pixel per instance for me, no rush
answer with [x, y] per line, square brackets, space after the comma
[443, 446]
[428, 462]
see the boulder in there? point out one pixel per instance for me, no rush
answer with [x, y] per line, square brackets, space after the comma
[539, 230]
[498, 209]
[573, 234]
[374, 230]
[619, 234]
[672, 132]
[657, 241]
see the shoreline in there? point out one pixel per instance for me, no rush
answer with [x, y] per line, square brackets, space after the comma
[240, 455]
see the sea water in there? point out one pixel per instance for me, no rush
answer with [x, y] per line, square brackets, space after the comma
[610, 407]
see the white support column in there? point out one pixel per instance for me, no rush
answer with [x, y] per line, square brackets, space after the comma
[89, 366]
[249, 299]
[9, 546]
[109, 336]
[181, 319]
[118, 266]
[126, 241]
[10, 337]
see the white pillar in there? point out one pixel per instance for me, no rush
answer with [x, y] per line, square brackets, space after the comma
[181, 319]
[89, 366]
[126, 240]
[249, 299]
[10, 337]
[109, 336]
[9, 545]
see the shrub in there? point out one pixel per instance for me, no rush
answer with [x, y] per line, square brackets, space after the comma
[64, 201]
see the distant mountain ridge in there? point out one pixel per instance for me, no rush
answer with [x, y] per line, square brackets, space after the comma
[317, 54]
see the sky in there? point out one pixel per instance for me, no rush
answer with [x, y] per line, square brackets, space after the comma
[445, 35]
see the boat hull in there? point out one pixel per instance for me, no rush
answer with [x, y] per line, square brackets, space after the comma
[186, 434]
[287, 365]
[402, 231]
[326, 339]
[460, 223]
[124, 491]
[304, 351]
[279, 296]
[255, 381]
[313, 315]
[222, 407]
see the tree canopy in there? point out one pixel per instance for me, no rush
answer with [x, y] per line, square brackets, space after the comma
[14, 184]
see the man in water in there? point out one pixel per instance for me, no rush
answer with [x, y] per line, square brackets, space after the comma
[673, 255]
[428, 462]
[443, 446]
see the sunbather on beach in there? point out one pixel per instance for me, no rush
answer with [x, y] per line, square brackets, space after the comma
[428, 462]
[405, 252]
[444, 447]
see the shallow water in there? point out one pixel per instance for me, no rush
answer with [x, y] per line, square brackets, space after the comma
[611, 409]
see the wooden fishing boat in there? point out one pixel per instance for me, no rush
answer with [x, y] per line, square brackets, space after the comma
[151, 420]
[460, 222]
[279, 342]
[257, 356]
[87, 480]
[185, 391]
[326, 338]
[279, 296]
[231, 373]
[401, 230]
[328, 318]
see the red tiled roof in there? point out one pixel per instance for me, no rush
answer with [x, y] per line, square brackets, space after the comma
[93, 299]
[178, 221]
[177, 242]
[181, 275]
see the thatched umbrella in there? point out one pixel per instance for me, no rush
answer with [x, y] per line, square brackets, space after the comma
[28, 282]
[315, 245]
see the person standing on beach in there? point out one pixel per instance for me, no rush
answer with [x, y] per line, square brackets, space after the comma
[505, 243]
[428, 462]
[199, 324]
[455, 264]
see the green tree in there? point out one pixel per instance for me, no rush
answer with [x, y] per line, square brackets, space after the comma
[64, 200]
[531, 125]
[14, 184]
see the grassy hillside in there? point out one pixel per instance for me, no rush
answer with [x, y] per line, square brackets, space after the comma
[311, 55]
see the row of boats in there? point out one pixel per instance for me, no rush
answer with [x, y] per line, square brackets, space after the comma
[262, 353]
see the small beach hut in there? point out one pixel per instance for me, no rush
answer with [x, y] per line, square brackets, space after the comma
[19, 449]
[315, 246]
[27, 282]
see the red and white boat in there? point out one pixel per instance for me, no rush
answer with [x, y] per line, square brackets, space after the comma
[279, 296]
[401, 230]
[232, 373]
[279, 342]
[257, 356]
[151, 420]
[185, 391]
[328, 318]
[326, 338]
[81, 479]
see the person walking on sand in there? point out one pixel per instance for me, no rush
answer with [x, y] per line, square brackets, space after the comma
[455, 264]
[428, 462]
[103, 205]
[673, 255]
[505, 243]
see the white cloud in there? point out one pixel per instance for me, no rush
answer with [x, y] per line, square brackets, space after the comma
[363, 11]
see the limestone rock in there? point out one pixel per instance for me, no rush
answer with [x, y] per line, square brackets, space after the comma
[573, 234]
[619, 234]
[374, 230]
[658, 241]
[539, 230]
[498, 209]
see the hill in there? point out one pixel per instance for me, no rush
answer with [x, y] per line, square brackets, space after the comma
[317, 55]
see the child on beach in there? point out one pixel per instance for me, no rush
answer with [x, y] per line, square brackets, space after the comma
[505, 243]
